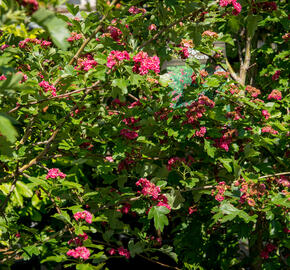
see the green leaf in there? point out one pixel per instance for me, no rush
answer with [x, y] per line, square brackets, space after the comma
[23, 189]
[159, 215]
[64, 216]
[252, 23]
[72, 9]
[56, 27]
[209, 149]
[226, 162]
[58, 259]
[122, 84]
[7, 129]
[135, 248]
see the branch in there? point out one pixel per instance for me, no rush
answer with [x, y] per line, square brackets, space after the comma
[275, 174]
[56, 97]
[13, 185]
[166, 28]
[246, 64]
[232, 72]
[159, 263]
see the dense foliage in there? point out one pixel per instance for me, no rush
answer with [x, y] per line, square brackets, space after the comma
[98, 163]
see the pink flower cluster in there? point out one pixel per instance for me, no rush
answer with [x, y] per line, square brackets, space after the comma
[268, 249]
[134, 10]
[115, 57]
[148, 188]
[275, 94]
[79, 252]
[211, 34]
[269, 129]
[54, 173]
[78, 240]
[3, 47]
[153, 191]
[86, 215]
[197, 108]
[86, 63]
[144, 63]
[122, 252]
[204, 100]
[284, 181]
[129, 134]
[115, 33]
[47, 87]
[175, 161]
[43, 43]
[3, 78]
[237, 6]
[184, 52]
[221, 189]
[200, 133]
[223, 142]
[74, 36]
[254, 92]
[236, 115]
[266, 114]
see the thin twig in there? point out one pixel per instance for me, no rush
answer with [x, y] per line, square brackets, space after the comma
[159, 263]
[56, 97]
[275, 174]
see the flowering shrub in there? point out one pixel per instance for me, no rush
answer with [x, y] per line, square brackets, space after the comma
[102, 157]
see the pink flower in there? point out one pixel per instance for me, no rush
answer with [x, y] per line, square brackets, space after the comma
[276, 76]
[224, 3]
[115, 33]
[74, 36]
[152, 27]
[192, 210]
[223, 143]
[112, 251]
[219, 197]
[3, 78]
[124, 252]
[269, 129]
[78, 240]
[164, 204]
[109, 158]
[270, 247]
[3, 47]
[201, 132]
[210, 34]
[264, 254]
[115, 57]
[144, 63]
[237, 6]
[184, 53]
[251, 202]
[148, 188]
[79, 252]
[54, 173]
[134, 10]
[266, 114]
[126, 208]
[131, 135]
[86, 63]
[275, 94]
[86, 215]
[47, 87]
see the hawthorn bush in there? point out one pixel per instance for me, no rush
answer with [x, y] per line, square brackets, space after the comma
[99, 164]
